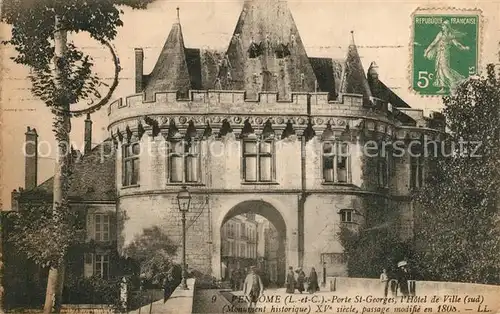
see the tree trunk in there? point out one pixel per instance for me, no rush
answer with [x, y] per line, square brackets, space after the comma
[53, 296]
[2, 222]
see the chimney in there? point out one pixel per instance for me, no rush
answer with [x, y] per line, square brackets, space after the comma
[88, 135]
[373, 80]
[139, 69]
[31, 159]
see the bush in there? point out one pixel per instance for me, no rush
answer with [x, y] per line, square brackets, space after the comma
[92, 290]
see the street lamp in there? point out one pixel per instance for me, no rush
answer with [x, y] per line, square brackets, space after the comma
[184, 199]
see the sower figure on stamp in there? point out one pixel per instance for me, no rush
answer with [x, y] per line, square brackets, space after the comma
[439, 50]
[253, 287]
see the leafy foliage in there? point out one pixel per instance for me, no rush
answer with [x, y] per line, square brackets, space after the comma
[153, 251]
[368, 252]
[458, 224]
[93, 290]
[33, 27]
[42, 234]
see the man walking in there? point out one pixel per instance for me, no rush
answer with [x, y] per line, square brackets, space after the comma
[252, 288]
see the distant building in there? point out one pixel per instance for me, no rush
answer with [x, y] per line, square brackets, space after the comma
[273, 255]
[239, 244]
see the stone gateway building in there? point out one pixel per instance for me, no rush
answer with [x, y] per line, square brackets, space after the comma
[262, 128]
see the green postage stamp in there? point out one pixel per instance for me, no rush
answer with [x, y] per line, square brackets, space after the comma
[445, 49]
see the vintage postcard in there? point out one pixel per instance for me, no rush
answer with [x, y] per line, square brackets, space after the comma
[250, 156]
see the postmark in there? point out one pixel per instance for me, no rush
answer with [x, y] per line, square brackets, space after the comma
[445, 49]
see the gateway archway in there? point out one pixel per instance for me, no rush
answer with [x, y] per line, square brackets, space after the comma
[253, 233]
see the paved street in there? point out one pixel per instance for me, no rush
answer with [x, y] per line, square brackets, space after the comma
[358, 302]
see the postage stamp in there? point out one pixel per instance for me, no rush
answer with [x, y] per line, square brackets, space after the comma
[445, 50]
[257, 156]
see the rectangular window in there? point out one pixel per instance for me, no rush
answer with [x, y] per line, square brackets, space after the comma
[336, 162]
[184, 162]
[258, 161]
[130, 164]
[416, 166]
[101, 266]
[346, 215]
[242, 250]
[101, 227]
[383, 170]
[416, 172]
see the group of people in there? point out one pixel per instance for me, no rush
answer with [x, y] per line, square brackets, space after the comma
[297, 280]
[400, 279]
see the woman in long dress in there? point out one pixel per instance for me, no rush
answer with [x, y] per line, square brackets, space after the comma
[301, 278]
[290, 281]
[439, 50]
[313, 281]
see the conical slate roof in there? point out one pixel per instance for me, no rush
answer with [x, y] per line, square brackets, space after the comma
[171, 70]
[266, 53]
[354, 79]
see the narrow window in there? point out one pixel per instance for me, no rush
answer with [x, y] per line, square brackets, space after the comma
[416, 168]
[130, 164]
[101, 266]
[336, 162]
[416, 172]
[101, 227]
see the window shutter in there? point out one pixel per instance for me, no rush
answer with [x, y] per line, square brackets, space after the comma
[112, 227]
[90, 226]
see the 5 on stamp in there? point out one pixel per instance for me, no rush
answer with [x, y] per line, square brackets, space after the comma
[445, 51]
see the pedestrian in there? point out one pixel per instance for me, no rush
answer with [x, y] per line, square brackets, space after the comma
[290, 281]
[252, 287]
[235, 279]
[403, 277]
[313, 285]
[301, 277]
[384, 279]
[243, 276]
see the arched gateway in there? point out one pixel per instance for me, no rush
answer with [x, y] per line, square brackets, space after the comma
[268, 211]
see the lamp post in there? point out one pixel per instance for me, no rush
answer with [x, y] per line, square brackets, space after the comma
[184, 199]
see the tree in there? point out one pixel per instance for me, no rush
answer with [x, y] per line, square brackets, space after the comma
[153, 251]
[457, 209]
[62, 77]
[370, 250]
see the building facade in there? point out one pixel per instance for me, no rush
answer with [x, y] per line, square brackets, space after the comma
[92, 195]
[262, 128]
[239, 243]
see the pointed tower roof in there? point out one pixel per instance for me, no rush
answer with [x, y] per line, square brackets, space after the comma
[171, 70]
[354, 79]
[266, 52]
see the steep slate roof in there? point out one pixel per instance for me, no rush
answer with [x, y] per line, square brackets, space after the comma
[380, 90]
[266, 52]
[93, 177]
[267, 28]
[171, 70]
[354, 80]
[328, 74]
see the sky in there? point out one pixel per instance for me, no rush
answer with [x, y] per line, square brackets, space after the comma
[382, 31]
